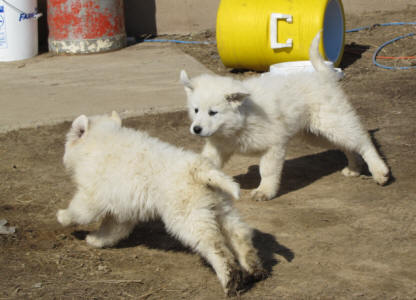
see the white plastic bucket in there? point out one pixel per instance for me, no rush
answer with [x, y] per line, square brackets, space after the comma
[301, 66]
[18, 29]
[295, 67]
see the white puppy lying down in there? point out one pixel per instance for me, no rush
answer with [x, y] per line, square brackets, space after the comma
[124, 176]
[259, 116]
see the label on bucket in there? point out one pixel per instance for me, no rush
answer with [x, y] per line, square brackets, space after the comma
[27, 16]
[3, 37]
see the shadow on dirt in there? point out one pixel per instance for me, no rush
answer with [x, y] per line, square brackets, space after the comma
[267, 247]
[149, 234]
[298, 172]
[352, 53]
[154, 236]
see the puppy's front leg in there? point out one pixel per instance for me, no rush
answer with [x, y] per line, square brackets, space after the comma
[79, 211]
[271, 165]
[217, 155]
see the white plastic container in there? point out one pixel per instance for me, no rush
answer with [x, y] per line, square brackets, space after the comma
[18, 29]
[304, 66]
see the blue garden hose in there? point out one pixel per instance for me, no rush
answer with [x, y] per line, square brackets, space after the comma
[383, 24]
[176, 41]
[387, 43]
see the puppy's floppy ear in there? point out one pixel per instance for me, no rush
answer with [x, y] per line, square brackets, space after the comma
[115, 116]
[236, 99]
[79, 128]
[186, 82]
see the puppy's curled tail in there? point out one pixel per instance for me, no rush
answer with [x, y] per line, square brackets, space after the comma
[213, 177]
[317, 60]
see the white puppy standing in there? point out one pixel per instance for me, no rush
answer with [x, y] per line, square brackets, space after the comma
[258, 116]
[124, 176]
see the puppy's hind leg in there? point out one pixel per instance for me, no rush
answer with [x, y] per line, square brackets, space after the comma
[201, 232]
[354, 165]
[240, 237]
[343, 128]
[109, 233]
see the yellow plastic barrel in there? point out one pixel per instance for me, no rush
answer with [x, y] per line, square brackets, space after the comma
[254, 34]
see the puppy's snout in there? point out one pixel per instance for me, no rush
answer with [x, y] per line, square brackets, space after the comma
[197, 129]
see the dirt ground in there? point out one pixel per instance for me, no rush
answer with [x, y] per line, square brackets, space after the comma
[324, 237]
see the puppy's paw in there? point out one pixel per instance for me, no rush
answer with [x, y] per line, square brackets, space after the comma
[380, 174]
[235, 282]
[64, 217]
[259, 195]
[259, 273]
[254, 266]
[350, 172]
[94, 241]
[381, 179]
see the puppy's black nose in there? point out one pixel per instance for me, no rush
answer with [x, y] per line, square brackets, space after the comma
[197, 129]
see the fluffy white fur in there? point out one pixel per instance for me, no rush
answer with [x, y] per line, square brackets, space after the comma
[258, 116]
[124, 176]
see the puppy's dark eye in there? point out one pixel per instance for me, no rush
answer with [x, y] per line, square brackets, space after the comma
[212, 113]
[196, 110]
